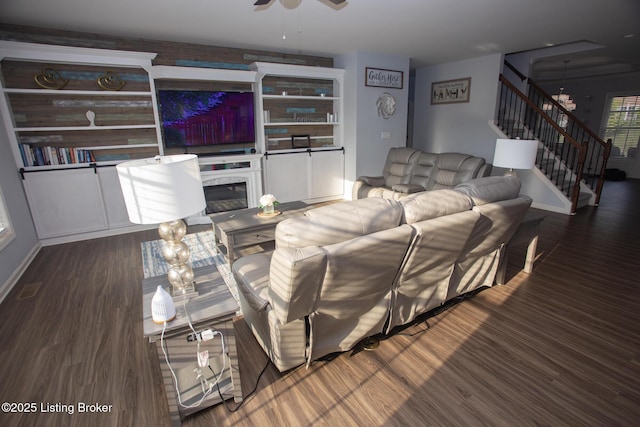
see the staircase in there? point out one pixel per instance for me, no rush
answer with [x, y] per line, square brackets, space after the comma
[570, 155]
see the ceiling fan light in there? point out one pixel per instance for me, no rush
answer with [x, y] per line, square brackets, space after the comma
[290, 4]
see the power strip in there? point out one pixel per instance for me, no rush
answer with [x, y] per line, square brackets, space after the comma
[205, 335]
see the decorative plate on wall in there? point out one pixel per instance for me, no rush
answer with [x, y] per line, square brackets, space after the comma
[386, 105]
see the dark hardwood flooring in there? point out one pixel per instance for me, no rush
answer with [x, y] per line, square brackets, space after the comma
[557, 347]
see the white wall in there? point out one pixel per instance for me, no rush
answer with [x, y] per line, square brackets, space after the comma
[465, 127]
[462, 127]
[366, 150]
[15, 256]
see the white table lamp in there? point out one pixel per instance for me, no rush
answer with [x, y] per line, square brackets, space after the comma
[164, 190]
[515, 154]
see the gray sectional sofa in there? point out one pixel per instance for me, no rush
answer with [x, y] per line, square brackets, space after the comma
[350, 270]
[407, 171]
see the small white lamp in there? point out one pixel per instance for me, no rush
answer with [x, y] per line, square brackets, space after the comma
[164, 190]
[515, 154]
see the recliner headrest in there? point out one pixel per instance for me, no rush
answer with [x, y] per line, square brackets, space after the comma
[490, 189]
[433, 204]
[339, 222]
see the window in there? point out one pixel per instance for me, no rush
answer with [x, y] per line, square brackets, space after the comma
[6, 231]
[623, 124]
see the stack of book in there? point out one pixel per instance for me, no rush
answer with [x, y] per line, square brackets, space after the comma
[36, 155]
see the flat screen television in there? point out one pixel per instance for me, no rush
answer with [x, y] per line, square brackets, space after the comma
[193, 118]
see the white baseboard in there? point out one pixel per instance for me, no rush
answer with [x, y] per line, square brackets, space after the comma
[551, 208]
[15, 276]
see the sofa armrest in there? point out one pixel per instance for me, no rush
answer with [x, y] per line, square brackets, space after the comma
[374, 181]
[485, 170]
[295, 280]
[363, 184]
[252, 277]
[407, 188]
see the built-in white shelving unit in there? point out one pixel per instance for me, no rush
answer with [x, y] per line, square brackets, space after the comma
[300, 130]
[66, 137]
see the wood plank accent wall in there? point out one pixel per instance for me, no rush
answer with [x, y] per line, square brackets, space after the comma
[70, 110]
[273, 85]
[20, 74]
[169, 53]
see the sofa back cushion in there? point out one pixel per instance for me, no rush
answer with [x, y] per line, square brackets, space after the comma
[432, 204]
[399, 165]
[356, 291]
[452, 169]
[338, 222]
[423, 169]
[490, 189]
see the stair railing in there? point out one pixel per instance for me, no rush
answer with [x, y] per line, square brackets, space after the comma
[565, 160]
[598, 150]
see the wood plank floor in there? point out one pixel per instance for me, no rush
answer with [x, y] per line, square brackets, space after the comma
[557, 347]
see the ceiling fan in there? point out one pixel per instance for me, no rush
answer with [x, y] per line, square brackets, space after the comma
[264, 2]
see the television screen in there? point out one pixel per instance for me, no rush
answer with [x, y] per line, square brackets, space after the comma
[200, 118]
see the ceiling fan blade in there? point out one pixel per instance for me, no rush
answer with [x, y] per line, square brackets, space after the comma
[261, 2]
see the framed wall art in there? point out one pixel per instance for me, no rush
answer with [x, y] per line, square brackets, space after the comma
[378, 77]
[450, 91]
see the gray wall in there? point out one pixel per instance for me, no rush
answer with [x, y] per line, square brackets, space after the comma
[366, 150]
[462, 127]
[15, 256]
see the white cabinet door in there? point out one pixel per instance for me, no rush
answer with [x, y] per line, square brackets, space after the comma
[327, 174]
[287, 176]
[312, 177]
[65, 202]
[115, 207]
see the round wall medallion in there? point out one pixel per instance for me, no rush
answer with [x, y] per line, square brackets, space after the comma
[386, 105]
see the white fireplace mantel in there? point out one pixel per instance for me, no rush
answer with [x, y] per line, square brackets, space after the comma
[218, 170]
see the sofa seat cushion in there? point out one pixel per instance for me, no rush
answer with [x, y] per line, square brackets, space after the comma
[433, 204]
[490, 189]
[338, 222]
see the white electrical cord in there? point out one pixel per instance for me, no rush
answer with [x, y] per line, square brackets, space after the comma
[203, 381]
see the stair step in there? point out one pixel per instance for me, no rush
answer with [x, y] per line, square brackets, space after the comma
[583, 199]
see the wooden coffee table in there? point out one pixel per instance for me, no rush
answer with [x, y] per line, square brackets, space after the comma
[242, 228]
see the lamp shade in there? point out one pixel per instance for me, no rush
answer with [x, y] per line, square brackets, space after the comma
[515, 153]
[161, 189]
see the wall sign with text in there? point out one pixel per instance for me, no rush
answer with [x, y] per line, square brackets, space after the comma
[378, 77]
[450, 91]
